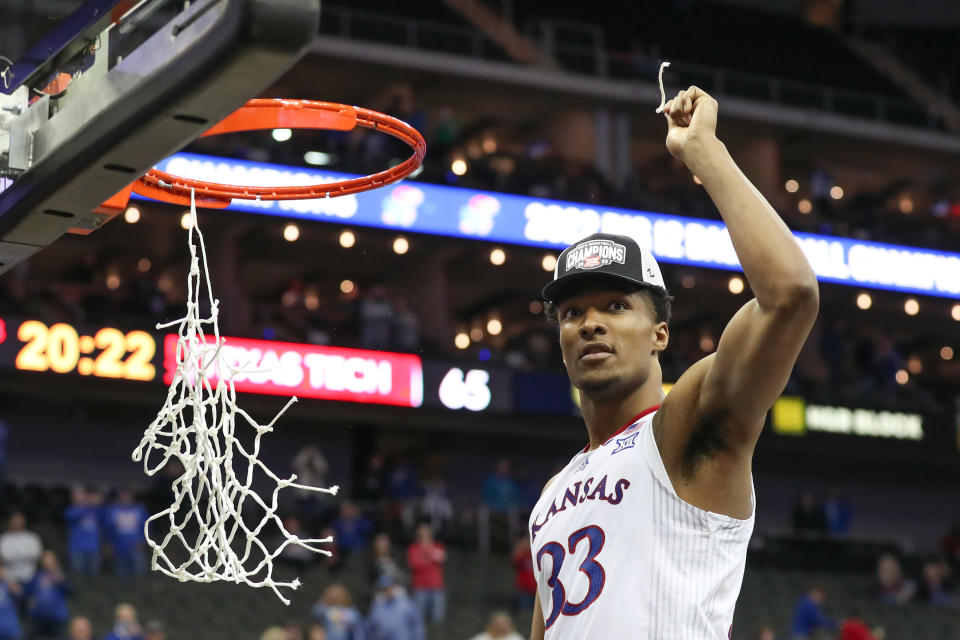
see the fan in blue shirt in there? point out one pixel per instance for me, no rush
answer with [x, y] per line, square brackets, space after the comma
[124, 520]
[47, 598]
[9, 595]
[83, 527]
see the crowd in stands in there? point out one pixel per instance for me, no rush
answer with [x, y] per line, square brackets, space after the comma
[394, 528]
[930, 581]
[35, 589]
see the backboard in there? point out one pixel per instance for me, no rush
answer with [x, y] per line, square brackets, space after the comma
[142, 79]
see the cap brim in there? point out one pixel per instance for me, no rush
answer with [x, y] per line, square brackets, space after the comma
[553, 290]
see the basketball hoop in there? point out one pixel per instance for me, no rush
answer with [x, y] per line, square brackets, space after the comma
[266, 113]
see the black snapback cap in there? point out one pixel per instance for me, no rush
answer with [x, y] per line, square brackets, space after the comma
[608, 255]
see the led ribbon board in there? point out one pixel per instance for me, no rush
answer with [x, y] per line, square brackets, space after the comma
[498, 217]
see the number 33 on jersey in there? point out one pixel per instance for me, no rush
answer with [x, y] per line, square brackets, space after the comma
[618, 555]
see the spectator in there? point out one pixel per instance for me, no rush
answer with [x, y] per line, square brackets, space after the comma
[854, 628]
[892, 586]
[393, 616]
[47, 598]
[316, 632]
[837, 513]
[126, 626]
[499, 490]
[80, 628]
[808, 617]
[524, 581]
[435, 505]
[20, 550]
[154, 630]
[337, 615]
[808, 514]
[352, 529]
[83, 532]
[933, 584]
[274, 633]
[500, 627]
[403, 484]
[125, 519]
[294, 632]
[426, 557]
[10, 592]
[766, 633]
[382, 562]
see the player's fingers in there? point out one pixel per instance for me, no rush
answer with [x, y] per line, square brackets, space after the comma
[699, 95]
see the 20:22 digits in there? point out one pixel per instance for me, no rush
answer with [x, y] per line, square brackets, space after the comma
[59, 349]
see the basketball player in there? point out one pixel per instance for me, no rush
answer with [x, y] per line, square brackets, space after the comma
[644, 534]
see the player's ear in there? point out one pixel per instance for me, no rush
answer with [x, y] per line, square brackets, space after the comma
[661, 336]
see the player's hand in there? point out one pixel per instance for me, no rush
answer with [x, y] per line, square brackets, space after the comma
[691, 121]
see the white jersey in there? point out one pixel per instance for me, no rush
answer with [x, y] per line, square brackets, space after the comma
[619, 555]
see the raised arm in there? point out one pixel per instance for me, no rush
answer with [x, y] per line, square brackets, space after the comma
[725, 397]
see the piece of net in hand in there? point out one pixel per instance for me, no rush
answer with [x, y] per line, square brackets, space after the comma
[217, 528]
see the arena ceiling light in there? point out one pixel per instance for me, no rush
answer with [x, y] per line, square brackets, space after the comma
[461, 340]
[282, 135]
[911, 307]
[291, 232]
[400, 245]
[792, 186]
[347, 286]
[955, 312]
[132, 215]
[347, 239]
[458, 167]
[186, 220]
[494, 326]
[836, 192]
[736, 285]
[549, 262]
[318, 158]
[864, 301]
[804, 206]
[946, 353]
[498, 256]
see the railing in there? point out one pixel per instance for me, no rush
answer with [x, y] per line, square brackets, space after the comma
[588, 56]
[407, 32]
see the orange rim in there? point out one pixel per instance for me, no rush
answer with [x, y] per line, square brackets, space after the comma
[267, 113]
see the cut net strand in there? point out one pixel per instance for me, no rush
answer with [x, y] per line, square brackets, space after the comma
[197, 427]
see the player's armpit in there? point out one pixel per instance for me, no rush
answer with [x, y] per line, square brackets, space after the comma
[720, 404]
[537, 629]
[751, 367]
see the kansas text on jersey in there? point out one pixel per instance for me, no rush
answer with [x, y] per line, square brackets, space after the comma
[619, 555]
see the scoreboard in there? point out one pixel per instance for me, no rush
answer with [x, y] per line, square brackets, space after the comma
[279, 368]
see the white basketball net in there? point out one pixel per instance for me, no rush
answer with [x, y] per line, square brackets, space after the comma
[197, 426]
